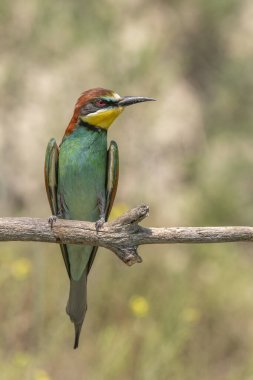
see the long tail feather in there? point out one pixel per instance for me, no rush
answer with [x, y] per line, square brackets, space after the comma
[77, 304]
[78, 329]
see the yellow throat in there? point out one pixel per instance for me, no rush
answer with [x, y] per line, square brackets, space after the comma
[102, 118]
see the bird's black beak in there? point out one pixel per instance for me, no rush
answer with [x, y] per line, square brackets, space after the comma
[128, 100]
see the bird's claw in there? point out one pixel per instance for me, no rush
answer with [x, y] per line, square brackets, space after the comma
[99, 223]
[52, 219]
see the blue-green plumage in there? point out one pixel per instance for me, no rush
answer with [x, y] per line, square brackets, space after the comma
[81, 185]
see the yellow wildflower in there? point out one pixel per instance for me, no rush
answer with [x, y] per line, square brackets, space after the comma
[21, 268]
[139, 306]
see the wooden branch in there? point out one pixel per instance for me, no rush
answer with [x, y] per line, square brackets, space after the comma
[122, 236]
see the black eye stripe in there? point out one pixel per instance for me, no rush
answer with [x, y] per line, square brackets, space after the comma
[107, 102]
[92, 107]
[111, 103]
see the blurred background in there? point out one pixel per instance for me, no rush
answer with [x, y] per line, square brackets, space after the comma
[187, 311]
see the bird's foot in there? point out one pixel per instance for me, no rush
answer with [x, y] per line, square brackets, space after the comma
[99, 223]
[52, 219]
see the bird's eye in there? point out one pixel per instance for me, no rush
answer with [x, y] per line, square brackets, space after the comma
[100, 103]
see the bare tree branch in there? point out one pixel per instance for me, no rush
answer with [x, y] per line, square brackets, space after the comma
[122, 236]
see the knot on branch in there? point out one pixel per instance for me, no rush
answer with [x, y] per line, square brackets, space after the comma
[133, 216]
[128, 255]
[127, 224]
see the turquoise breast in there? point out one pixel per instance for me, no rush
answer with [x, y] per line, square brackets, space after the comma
[81, 183]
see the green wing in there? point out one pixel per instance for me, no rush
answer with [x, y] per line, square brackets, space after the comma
[51, 171]
[51, 182]
[112, 176]
[111, 187]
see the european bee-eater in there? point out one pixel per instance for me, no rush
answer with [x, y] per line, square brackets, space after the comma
[81, 177]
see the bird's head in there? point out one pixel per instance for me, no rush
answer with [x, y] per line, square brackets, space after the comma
[99, 108]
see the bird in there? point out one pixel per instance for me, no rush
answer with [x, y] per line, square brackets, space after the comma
[81, 178]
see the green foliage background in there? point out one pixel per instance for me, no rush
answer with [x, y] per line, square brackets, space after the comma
[187, 311]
